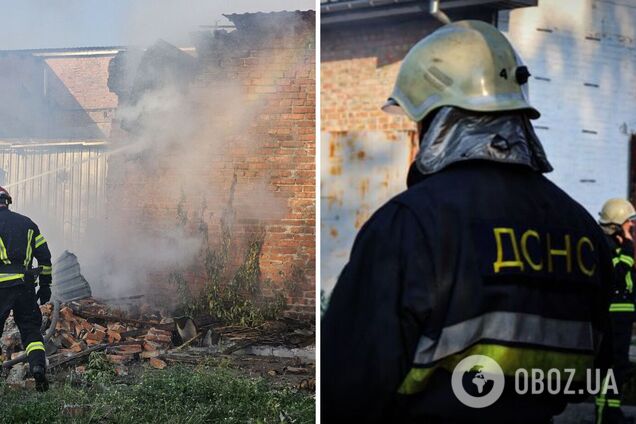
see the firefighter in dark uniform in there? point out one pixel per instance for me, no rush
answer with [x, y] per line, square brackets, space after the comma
[481, 255]
[617, 221]
[20, 243]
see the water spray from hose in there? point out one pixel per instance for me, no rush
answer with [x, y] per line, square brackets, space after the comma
[61, 168]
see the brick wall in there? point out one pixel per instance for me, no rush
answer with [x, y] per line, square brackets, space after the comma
[279, 73]
[267, 150]
[358, 66]
[85, 79]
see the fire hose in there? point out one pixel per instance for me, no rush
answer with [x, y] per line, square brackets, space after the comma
[49, 333]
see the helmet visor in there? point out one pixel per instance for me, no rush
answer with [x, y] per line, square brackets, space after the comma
[392, 107]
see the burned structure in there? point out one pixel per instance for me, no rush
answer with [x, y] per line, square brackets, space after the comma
[136, 160]
[221, 138]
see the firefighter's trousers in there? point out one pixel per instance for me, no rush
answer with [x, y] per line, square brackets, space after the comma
[22, 301]
[608, 406]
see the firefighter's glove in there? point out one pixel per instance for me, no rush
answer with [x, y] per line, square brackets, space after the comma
[627, 247]
[44, 294]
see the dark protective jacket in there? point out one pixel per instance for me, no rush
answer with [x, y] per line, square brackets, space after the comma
[20, 243]
[622, 296]
[478, 258]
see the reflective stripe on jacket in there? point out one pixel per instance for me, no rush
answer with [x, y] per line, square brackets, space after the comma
[480, 258]
[21, 243]
[622, 296]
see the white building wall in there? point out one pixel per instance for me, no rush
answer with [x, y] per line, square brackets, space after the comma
[582, 57]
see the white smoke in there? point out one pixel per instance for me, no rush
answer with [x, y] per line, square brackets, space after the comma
[184, 141]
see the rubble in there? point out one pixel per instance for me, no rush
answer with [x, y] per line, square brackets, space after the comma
[86, 323]
[10, 340]
[157, 363]
[86, 326]
[17, 375]
[144, 336]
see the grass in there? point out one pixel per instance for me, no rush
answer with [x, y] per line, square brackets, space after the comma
[175, 395]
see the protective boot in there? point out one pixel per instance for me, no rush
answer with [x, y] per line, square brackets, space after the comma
[39, 374]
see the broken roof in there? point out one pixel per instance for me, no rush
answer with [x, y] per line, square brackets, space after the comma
[268, 20]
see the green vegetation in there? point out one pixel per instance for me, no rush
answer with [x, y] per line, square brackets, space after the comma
[174, 395]
[232, 290]
[99, 369]
[240, 300]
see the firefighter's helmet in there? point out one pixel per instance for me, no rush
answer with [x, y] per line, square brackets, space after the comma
[467, 64]
[616, 212]
[5, 197]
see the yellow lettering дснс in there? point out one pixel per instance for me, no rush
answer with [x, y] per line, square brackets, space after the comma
[567, 252]
[536, 266]
[579, 257]
[500, 263]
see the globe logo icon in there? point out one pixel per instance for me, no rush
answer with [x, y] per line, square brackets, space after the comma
[477, 381]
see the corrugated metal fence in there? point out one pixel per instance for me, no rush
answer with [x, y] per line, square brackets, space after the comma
[59, 185]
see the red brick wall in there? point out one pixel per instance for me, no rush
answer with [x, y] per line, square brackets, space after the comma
[358, 66]
[281, 76]
[272, 156]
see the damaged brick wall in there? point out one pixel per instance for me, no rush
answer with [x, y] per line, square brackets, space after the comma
[289, 155]
[272, 58]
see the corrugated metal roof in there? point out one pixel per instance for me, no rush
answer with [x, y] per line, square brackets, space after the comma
[246, 20]
[69, 51]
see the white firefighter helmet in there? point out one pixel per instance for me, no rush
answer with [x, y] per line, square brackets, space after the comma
[467, 64]
[616, 212]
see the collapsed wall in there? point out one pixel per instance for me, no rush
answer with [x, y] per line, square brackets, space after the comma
[223, 132]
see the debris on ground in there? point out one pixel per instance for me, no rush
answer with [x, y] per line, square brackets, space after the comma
[140, 335]
[17, 375]
[70, 284]
[88, 326]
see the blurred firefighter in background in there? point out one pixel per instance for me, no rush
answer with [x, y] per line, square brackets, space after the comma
[481, 255]
[20, 243]
[617, 221]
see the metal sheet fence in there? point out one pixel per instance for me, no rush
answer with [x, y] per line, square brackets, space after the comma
[60, 186]
[360, 171]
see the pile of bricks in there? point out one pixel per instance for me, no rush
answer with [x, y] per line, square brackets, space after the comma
[122, 342]
[126, 343]
[147, 347]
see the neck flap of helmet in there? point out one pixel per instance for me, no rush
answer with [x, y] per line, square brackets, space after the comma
[456, 135]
